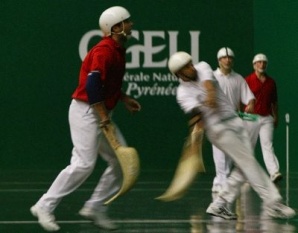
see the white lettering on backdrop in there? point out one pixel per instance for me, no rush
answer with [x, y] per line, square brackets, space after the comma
[142, 57]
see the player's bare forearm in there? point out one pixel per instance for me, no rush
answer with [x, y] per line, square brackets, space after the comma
[102, 112]
[250, 106]
[211, 94]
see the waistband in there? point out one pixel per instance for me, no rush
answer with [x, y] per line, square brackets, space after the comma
[228, 118]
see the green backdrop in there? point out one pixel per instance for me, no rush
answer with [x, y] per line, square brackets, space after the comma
[40, 61]
[275, 34]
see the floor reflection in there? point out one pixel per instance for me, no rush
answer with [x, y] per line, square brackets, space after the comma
[139, 212]
[251, 218]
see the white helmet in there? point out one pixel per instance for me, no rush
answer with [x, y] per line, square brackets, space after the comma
[259, 57]
[178, 60]
[111, 17]
[224, 52]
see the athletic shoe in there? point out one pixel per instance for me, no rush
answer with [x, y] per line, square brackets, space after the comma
[45, 218]
[99, 219]
[279, 210]
[276, 177]
[220, 211]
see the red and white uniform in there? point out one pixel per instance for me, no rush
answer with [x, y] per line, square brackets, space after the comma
[109, 59]
[266, 95]
[88, 140]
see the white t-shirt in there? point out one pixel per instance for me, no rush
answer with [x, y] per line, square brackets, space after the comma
[191, 96]
[235, 87]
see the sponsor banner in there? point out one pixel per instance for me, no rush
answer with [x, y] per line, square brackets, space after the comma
[141, 78]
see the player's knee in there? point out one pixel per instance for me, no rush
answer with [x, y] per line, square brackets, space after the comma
[86, 166]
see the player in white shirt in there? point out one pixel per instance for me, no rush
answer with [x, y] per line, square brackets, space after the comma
[199, 93]
[238, 92]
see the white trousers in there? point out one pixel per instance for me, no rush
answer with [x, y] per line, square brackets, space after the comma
[223, 165]
[232, 138]
[264, 129]
[88, 142]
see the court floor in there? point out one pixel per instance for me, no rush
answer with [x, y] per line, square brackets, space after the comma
[138, 211]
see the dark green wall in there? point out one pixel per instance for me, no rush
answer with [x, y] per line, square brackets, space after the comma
[40, 63]
[276, 35]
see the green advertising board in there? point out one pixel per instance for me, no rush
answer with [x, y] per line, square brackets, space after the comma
[43, 43]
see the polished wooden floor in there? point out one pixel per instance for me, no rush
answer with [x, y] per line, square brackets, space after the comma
[138, 211]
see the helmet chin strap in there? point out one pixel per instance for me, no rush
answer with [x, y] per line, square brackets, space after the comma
[122, 32]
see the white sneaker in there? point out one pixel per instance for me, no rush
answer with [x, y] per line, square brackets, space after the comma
[279, 210]
[220, 211]
[45, 219]
[100, 219]
[276, 177]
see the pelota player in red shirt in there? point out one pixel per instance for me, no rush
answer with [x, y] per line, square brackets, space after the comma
[96, 96]
[265, 91]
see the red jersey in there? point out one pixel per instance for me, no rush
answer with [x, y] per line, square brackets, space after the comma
[108, 57]
[265, 93]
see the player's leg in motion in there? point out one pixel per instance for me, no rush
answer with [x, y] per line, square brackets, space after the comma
[266, 141]
[108, 185]
[84, 134]
[223, 165]
[231, 138]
